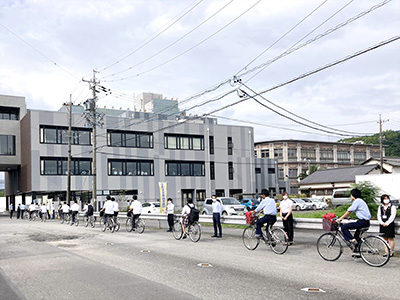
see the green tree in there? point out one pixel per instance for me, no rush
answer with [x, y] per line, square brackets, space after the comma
[305, 173]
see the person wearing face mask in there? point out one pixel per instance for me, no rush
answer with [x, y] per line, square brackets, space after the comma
[286, 207]
[217, 211]
[170, 214]
[386, 216]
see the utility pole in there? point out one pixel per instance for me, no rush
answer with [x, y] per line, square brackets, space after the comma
[380, 140]
[90, 105]
[69, 151]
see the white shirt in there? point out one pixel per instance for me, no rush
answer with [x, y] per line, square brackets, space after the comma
[32, 207]
[85, 208]
[170, 208]
[136, 207]
[43, 208]
[186, 209]
[22, 207]
[286, 205]
[75, 207]
[217, 207]
[65, 208]
[391, 218]
[116, 206]
[109, 207]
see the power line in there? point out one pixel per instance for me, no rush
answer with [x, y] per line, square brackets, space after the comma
[188, 50]
[173, 43]
[177, 17]
[38, 51]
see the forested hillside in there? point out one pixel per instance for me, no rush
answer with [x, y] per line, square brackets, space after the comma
[391, 140]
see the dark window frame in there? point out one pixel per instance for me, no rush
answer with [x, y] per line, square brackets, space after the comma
[142, 169]
[178, 164]
[10, 145]
[179, 144]
[138, 136]
[61, 135]
[61, 165]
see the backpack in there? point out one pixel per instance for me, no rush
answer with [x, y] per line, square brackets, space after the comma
[194, 215]
[90, 209]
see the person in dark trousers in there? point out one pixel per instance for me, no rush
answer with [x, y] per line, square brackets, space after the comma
[217, 211]
[18, 210]
[286, 207]
[170, 214]
[363, 214]
[268, 206]
[11, 207]
[386, 217]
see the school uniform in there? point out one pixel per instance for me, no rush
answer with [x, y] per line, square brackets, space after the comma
[363, 214]
[288, 223]
[386, 215]
[217, 211]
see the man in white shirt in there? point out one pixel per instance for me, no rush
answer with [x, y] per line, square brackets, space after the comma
[74, 210]
[116, 209]
[43, 210]
[108, 209]
[65, 210]
[136, 209]
[23, 208]
[170, 214]
[32, 209]
[217, 211]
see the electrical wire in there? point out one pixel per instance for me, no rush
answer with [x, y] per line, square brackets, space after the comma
[177, 17]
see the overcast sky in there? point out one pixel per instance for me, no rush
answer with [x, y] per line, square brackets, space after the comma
[180, 48]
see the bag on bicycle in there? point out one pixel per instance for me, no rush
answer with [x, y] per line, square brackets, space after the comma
[194, 215]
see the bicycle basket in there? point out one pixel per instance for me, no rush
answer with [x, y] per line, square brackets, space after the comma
[251, 217]
[329, 224]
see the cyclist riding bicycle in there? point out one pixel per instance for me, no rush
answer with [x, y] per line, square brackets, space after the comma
[116, 209]
[88, 209]
[136, 210]
[74, 211]
[185, 216]
[65, 210]
[108, 209]
[363, 214]
[43, 210]
[269, 207]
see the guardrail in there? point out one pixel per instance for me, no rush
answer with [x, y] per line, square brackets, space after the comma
[301, 223]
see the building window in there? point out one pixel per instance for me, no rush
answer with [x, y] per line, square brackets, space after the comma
[292, 154]
[271, 170]
[9, 113]
[308, 154]
[184, 168]
[183, 142]
[265, 153]
[59, 166]
[281, 174]
[129, 139]
[278, 154]
[375, 154]
[220, 193]
[326, 155]
[119, 167]
[211, 144]
[59, 135]
[200, 195]
[360, 156]
[230, 146]
[212, 170]
[343, 156]
[258, 170]
[293, 173]
[230, 170]
[7, 145]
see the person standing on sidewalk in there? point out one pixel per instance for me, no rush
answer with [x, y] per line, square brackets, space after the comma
[217, 211]
[11, 208]
[170, 214]
[386, 216]
[287, 217]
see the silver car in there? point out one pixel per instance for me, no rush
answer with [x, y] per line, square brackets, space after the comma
[230, 206]
[299, 204]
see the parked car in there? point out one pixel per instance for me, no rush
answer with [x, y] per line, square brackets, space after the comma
[230, 206]
[340, 197]
[250, 204]
[316, 203]
[299, 204]
[150, 207]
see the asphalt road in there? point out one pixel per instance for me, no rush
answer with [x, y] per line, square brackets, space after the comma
[53, 261]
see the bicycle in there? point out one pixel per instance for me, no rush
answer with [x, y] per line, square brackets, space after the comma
[76, 221]
[373, 250]
[44, 217]
[66, 217]
[140, 225]
[193, 231]
[90, 220]
[109, 224]
[117, 222]
[276, 238]
[33, 216]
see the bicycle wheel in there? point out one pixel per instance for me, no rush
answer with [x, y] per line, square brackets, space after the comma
[249, 238]
[374, 251]
[140, 225]
[279, 240]
[92, 221]
[329, 247]
[76, 221]
[104, 227]
[87, 221]
[117, 225]
[177, 231]
[62, 220]
[111, 224]
[194, 232]
[128, 225]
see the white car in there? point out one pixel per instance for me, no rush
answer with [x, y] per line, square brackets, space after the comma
[316, 203]
[300, 204]
[151, 208]
[230, 206]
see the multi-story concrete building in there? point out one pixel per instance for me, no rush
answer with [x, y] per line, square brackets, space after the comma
[155, 103]
[295, 156]
[135, 151]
